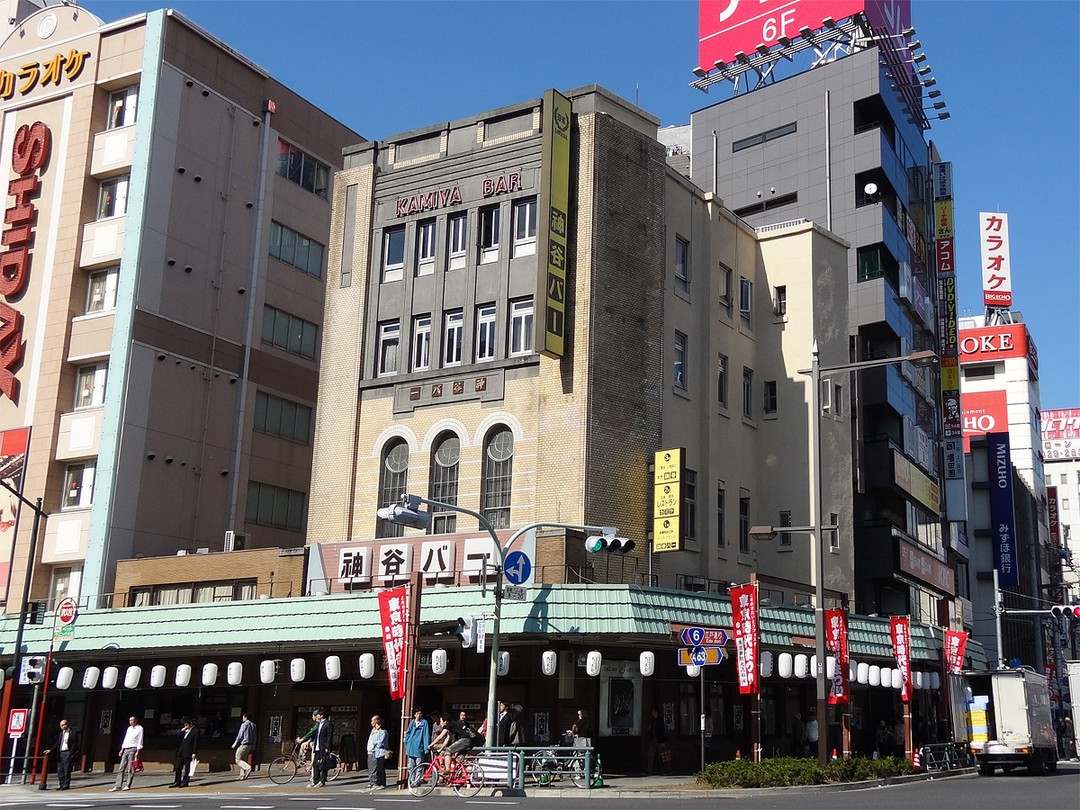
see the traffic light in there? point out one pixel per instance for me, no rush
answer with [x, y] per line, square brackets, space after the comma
[35, 669]
[1066, 611]
[466, 631]
[35, 613]
[406, 513]
[608, 543]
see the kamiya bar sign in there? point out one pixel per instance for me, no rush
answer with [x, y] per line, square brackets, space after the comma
[431, 200]
[30, 152]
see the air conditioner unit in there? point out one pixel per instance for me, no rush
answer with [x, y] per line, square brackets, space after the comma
[235, 541]
[202, 551]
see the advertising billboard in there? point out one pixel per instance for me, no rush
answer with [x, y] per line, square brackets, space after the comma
[999, 468]
[984, 412]
[988, 344]
[1061, 433]
[727, 27]
[994, 249]
[13, 447]
[554, 226]
[668, 475]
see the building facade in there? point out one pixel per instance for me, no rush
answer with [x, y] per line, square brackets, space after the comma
[161, 342]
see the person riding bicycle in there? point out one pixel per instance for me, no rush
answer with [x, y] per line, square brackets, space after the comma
[465, 739]
[306, 743]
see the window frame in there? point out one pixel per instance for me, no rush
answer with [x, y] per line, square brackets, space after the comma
[420, 356]
[770, 402]
[723, 380]
[453, 337]
[524, 245]
[78, 478]
[496, 484]
[678, 365]
[784, 519]
[278, 330]
[521, 327]
[123, 105]
[272, 418]
[486, 323]
[488, 233]
[274, 506]
[388, 348]
[313, 252]
[727, 289]
[457, 240]
[393, 241]
[748, 393]
[97, 375]
[721, 515]
[306, 171]
[689, 493]
[746, 298]
[393, 483]
[444, 485]
[426, 246]
[108, 206]
[111, 276]
[744, 524]
[682, 264]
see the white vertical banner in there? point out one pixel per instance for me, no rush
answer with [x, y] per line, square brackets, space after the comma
[994, 249]
[481, 635]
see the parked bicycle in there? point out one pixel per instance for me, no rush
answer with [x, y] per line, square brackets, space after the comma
[465, 776]
[284, 768]
[550, 764]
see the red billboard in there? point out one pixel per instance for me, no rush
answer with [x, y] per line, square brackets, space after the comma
[988, 344]
[726, 27]
[13, 447]
[984, 412]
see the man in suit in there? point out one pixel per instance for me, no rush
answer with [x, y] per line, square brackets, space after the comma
[502, 725]
[66, 746]
[186, 750]
[322, 740]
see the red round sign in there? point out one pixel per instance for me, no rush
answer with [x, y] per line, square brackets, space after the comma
[67, 611]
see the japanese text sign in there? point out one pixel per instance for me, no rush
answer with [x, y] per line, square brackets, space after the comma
[996, 272]
[955, 647]
[900, 629]
[744, 616]
[836, 637]
[394, 618]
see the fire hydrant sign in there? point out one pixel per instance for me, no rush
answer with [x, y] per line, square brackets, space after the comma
[17, 722]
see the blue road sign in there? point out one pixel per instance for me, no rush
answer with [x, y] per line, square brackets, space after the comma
[701, 656]
[518, 567]
[693, 636]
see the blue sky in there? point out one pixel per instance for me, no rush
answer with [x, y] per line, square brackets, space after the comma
[1009, 72]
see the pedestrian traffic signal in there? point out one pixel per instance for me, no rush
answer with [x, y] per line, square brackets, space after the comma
[35, 669]
[466, 631]
[1067, 611]
[608, 543]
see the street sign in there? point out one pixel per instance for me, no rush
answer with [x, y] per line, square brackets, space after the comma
[17, 722]
[701, 656]
[67, 612]
[515, 593]
[517, 567]
[704, 636]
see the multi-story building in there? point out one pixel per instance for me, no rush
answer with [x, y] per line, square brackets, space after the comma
[169, 210]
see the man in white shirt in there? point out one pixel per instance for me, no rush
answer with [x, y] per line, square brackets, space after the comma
[129, 752]
[812, 732]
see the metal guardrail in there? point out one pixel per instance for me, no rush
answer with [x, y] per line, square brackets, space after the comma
[536, 766]
[943, 756]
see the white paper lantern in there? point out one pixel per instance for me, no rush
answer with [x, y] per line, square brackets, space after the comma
[90, 677]
[333, 667]
[367, 666]
[110, 677]
[853, 670]
[766, 664]
[917, 679]
[592, 663]
[503, 667]
[802, 666]
[157, 675]
[209, 674]
[693, 670]
[131, 677]
[64, 677]
[830, 667]
[234, 674]
[875, 675]
[886, 677]
[783, 665]
[549, 662]
[267, 670]
[438, 661]
[863, 673]
[183, 675]
[646, 663]
[897, 679]
[297, 669]
[935, 680]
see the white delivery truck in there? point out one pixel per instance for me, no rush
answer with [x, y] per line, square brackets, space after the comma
[1072, 675]
[1010, 721]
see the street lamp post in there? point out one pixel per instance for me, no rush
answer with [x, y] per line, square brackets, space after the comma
[407, 514]
[816, 529]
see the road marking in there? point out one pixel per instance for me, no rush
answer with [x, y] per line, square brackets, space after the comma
[246, 807]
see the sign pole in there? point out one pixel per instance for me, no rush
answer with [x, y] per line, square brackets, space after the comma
[41, 714]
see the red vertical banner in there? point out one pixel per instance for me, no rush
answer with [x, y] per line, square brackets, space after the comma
[955, 647]
[744, 618]
[13, 447]
[837, 639]
[394, 616]
[900, 628]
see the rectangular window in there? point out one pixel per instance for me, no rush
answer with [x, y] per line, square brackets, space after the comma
[295, 249]
[389, 342]
[521, 327]
[278, 507]
[90, 385]
[744, 524]
[393, 254]
[748, 393]
[457, 241]
[721, 380]
[525, 227]
[485, 332]
[769, 403]
[826, 396]
[838, 400]
[421, 343]
[746, 297]
[780, 302]
[452, 335]
[425, 248]
[762, 137]
[785, 520]
[690, 505]
[834, 534]
[112, 197]
[290, 333]
[280, 417]
[726, 287]
[682, 264]
[680, 360]
[298, 167]
[79, 485]
[123, 104]
[101, 290]
[721, 533]
[489, 234]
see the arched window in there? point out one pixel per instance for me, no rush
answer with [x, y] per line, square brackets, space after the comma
[498, 477]
[444, 482]
[393, 479]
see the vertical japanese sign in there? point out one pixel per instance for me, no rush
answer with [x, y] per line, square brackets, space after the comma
[667, 499]
[996, 272]
[837, 638]
[394, 617]
[744, 617]
[1002, 517]
[900, 629]
[553, 229]
[13, 447]
[955, 647]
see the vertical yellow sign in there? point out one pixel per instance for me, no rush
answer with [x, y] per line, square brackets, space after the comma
[554, 225]
[667, 500]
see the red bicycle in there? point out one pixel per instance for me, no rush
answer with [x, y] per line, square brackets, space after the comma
[465, 776]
